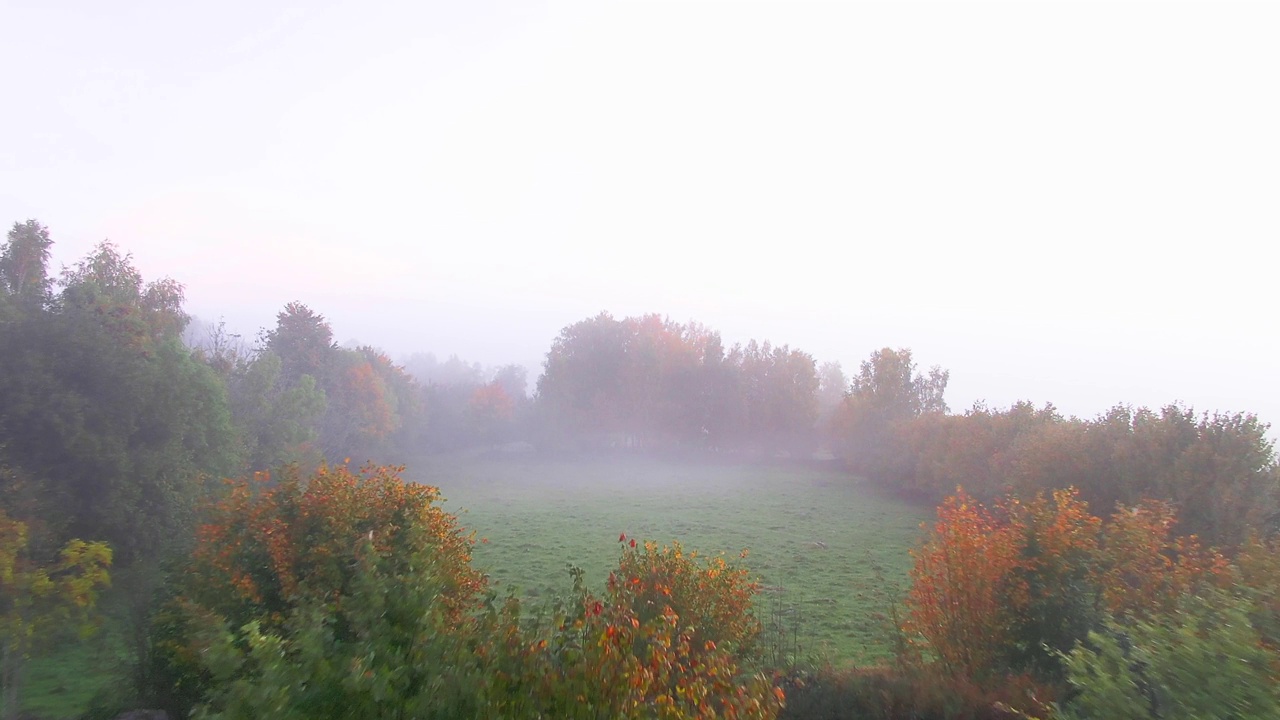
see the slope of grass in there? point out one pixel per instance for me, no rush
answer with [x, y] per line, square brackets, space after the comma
[831, 551]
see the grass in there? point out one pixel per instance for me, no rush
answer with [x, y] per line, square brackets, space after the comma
[831, 551]
[64, 682]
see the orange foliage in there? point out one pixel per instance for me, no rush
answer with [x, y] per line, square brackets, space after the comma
[711, 597]
[664, 641]
[1147, 569]
[987, 586]
[371, 403]
[267, 542]
[956, 601]
[490, 403]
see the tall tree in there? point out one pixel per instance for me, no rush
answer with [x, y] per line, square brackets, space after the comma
[277, 422]
[105, 287]
[886, 392]
[24, 263]
[303, 341]
[582, 381]
[779, 396]
[832, 385]
[104, 408]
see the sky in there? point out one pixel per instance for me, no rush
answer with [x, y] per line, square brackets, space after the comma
[1076, 203]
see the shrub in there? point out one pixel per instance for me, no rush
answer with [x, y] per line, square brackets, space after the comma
[271, 547]
[670, 638]
[1201, 660]
[1001, 592]
[389, 649]
[956, 604]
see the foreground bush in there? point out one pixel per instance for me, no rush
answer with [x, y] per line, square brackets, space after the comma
[1002, 593]
[390, 648]
[273, 548]
[352, 596]
[393, 651]
[1202, 660]
[672, 637]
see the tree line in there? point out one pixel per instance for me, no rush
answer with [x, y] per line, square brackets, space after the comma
[1218, 469]
[110, 417]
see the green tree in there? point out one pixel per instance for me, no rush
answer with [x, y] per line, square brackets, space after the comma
[395, 653]
[895, 389]
[24, 264]
[277, 422]
[102, 405]
[779, 400]
[582, 384]
[303, 341]
[106, 288]
[886, 393]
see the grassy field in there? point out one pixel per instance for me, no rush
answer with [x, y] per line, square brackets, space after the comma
[832, 552]
[64, 683]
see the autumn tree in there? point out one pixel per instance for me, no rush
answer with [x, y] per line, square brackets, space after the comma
[662, 641]
[1014, 588]
[650, 382]
[671, 637]
[956, 602]
[492, 411]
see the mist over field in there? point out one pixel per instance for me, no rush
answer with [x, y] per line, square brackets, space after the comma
[636, 359]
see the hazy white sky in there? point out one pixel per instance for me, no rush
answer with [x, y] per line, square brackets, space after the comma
[1077, 203]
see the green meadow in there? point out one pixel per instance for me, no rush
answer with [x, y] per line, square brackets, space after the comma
[831, 552]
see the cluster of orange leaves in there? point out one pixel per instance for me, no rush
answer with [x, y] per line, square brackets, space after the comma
[969, 580]
[667, 639]
[370, 401]
[273, 538]
[491, 404]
